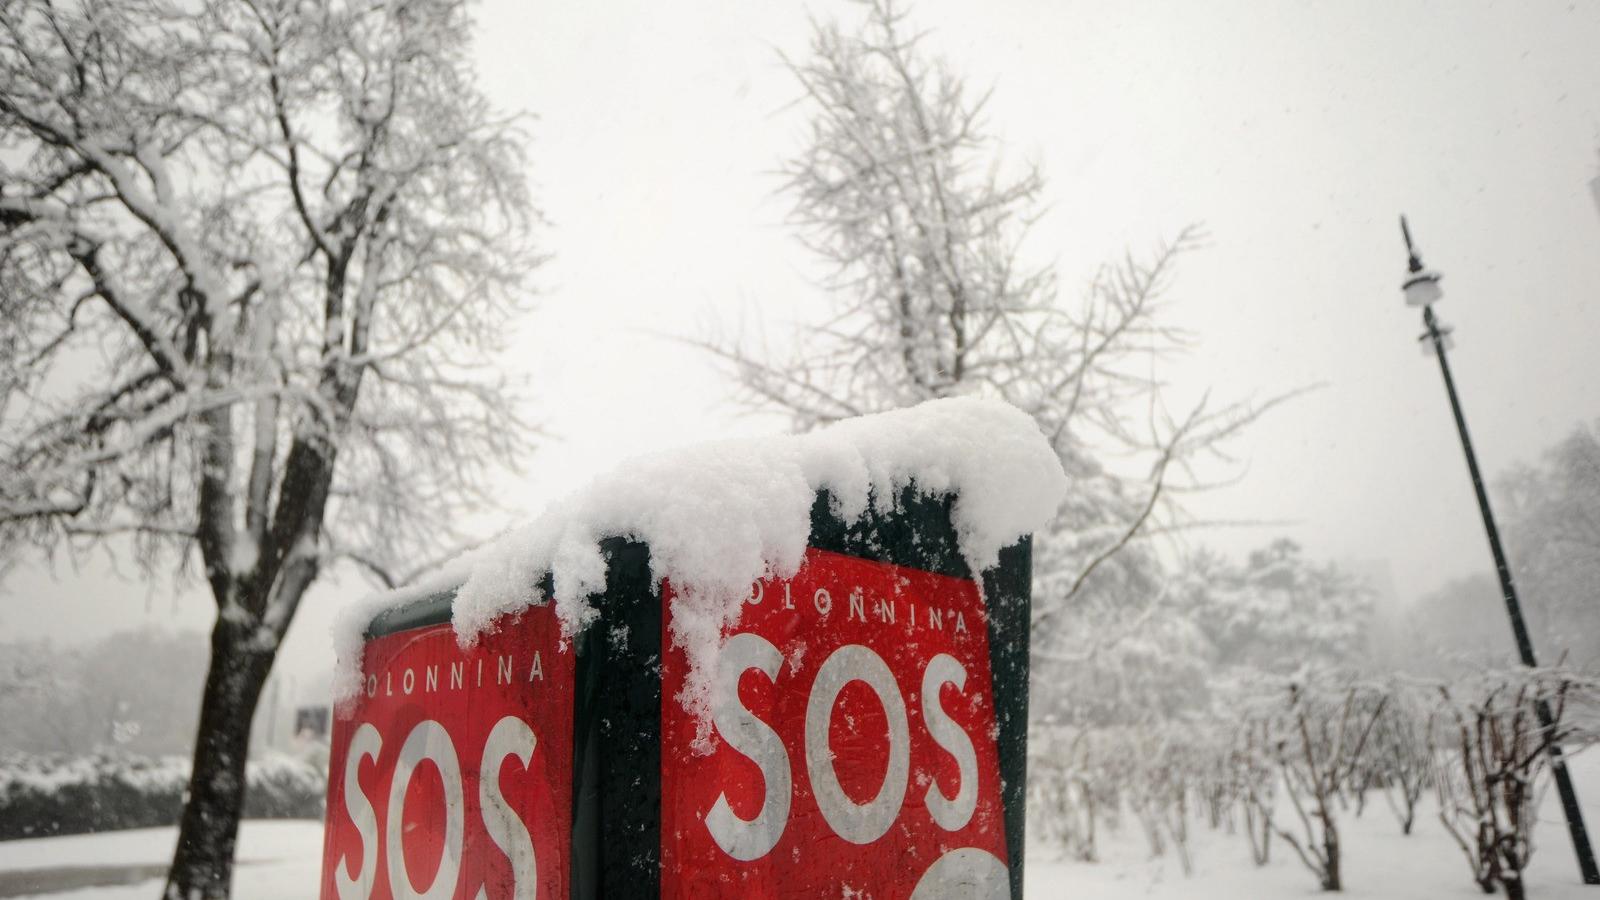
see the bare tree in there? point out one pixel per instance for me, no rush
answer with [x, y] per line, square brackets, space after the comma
[255, 256]
[900, 192]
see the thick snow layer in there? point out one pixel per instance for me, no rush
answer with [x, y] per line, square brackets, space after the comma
[720, 516]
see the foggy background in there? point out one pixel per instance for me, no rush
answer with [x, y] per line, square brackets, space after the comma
[737, 209]
[1295, 133]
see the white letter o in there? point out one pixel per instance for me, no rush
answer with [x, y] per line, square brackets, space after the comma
[428, 741]
[856, 823]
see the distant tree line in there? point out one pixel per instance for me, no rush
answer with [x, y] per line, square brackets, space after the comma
[1549, 514]
[132, 692]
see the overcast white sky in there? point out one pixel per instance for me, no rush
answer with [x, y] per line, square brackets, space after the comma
[1297, 132]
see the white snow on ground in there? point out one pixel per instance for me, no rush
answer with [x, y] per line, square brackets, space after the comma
[1379, 862]
[723, 515]
[136, 846]
[281, 861]
[278, 860]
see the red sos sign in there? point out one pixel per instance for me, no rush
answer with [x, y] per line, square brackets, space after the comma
[451, 774]
[854, 750]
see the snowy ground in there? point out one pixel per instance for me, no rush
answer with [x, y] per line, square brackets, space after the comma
[280, 860]
[1379, 863]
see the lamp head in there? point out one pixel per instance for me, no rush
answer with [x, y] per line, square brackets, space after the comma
[1421, 286]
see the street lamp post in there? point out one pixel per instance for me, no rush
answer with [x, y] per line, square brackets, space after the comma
[1422, 289]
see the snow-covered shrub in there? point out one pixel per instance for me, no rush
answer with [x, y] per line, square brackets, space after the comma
[1163, 774]
[1075, 782]
[1083, 778]
[284, 787]
[1253, 764]
[1400, 762]
[1220, 779]
[58, 794]
[1320, 736]
[43, 795]
[1167, 763]
[1494, 746]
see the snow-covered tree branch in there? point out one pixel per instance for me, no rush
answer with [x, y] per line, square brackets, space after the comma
[900, 192]
[255, 260]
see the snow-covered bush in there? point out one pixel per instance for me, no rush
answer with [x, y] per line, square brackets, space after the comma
[42, 795]
[1400, 762]
[1494, 747]
[1169, 764]
[1076, 778]
[1160, 774]
[1288, 757]
[1254, 767]
[46, 795]
[1321, 735]
[284, 787]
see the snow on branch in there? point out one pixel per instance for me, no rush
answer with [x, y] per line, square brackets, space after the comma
[921, 232]
[253, 241]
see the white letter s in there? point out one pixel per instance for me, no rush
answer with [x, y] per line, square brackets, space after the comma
[367, 742]
[750, 839]
[510, 737]
[950, 813]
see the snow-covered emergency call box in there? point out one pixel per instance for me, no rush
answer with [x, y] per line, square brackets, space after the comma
[780, 669]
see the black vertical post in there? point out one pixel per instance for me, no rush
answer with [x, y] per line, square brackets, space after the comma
[1519, 628]
[616, 753]
[1008, 592]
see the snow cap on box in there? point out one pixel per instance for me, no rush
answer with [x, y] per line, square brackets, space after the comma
[720, 516]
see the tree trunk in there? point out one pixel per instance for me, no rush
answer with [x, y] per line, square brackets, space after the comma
[1260, 834]
[1488, 861]
[202, 867]
[1331, 880]
[1088, 854]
